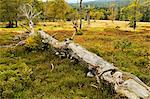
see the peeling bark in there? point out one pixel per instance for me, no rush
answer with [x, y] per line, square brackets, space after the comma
[125, 84]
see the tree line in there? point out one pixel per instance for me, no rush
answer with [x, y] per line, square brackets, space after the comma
[60, 10]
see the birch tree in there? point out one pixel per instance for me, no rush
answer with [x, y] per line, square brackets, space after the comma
[134, 14]
[112, 10]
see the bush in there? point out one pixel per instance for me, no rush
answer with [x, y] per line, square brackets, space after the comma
[14, 78]
[79, 32]
[131, 23]
[142, 61]
[122, 44]
[35, 43]
[96, 51]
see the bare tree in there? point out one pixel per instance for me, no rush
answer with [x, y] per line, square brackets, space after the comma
[81, 14]
[75, 26]
[45, 12]
[112, 10]
[134, 19]
[88, 17]
[30, 13]
[88, 14]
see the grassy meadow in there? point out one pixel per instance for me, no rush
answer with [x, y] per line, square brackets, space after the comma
[25, 72]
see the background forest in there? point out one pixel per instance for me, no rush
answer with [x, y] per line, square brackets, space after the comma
[56, 10]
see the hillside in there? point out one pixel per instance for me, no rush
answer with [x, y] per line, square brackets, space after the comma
[103, 3]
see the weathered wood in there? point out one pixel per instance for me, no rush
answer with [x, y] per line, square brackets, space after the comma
[30, 13]
[125, 84]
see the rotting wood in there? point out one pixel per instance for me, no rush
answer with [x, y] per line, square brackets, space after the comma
[125, 84]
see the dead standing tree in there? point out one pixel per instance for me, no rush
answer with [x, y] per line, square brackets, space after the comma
[88, 17]
[30, 13]
[88, 14]
[75, 26]
[112, 10]
[134, 19]
[81, 14]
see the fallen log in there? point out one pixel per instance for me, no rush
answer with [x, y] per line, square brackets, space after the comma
[124, 84]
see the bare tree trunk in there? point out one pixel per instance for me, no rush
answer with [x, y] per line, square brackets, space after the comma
[80, 14]
[10, 24]
[88, 18]
[113, 15]
[16, 23]
[31, 25]
[45, 13]
[94, 20]
[124, 84]
[75, 26]
[134, 20]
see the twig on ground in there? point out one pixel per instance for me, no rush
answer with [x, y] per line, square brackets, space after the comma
[94, 86]
[52, 67]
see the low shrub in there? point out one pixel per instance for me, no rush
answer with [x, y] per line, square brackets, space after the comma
[79, 32]
[122, 44]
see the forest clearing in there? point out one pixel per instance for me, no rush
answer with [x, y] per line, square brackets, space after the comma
[126, 48]
[74, 51]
